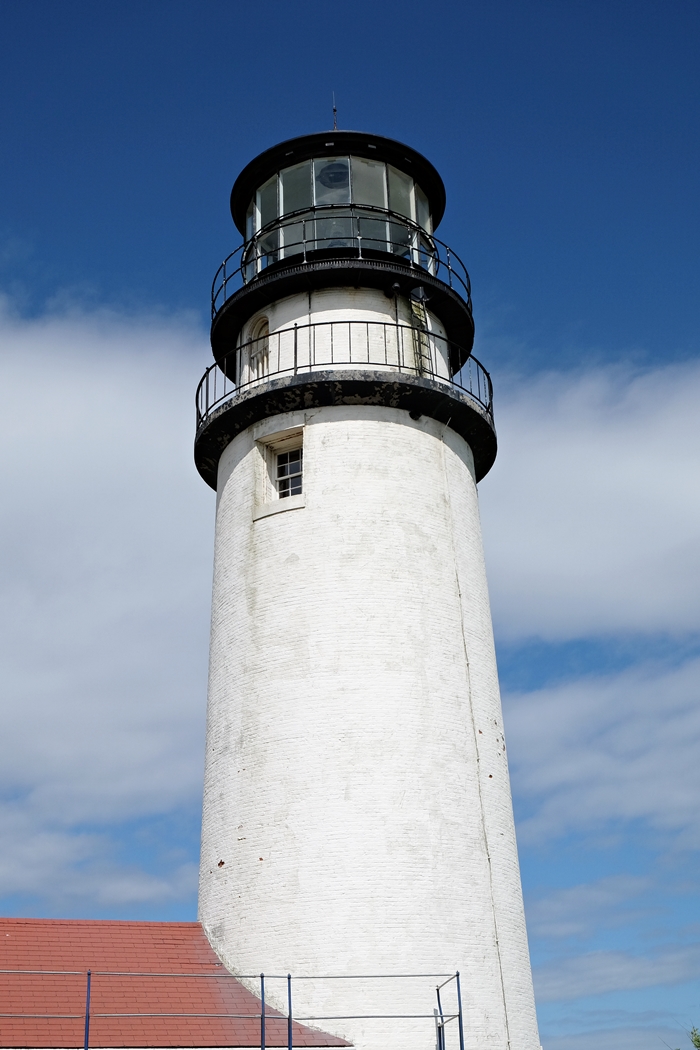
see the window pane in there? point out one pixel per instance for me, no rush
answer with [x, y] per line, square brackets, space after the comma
[267, 248]
[332, 180]
[422, 210]
[289, 473]
[267, 201]
[294, 235]
[400, 237]
[334, 231]
[295, 188]
[368, 182]
[250, 221]
[400, 192]
[372, 231]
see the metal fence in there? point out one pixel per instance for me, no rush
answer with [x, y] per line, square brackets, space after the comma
[338, 230]
[441, 1016]
[342, 344]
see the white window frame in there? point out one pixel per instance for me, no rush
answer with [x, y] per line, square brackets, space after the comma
[268, 500]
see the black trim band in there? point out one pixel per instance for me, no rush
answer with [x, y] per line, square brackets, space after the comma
[420, 397]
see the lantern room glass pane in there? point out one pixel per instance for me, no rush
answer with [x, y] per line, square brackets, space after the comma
[250, 221]
[400, 187]
[335, 231]
[372, 231]
[422, 210]
[332, 180]
[368, 182]
[401, 239]
[267, 201]
[295, 188]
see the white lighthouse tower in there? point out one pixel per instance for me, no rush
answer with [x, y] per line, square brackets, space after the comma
[357, 812]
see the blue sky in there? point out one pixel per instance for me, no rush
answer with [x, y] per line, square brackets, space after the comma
[566, 134]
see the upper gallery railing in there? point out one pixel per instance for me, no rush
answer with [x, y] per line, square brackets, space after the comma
[342, 344]
[346, 229]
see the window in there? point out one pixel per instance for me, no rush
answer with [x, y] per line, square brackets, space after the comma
[267, 202]
[279, 482]
[327, 181]
[295, 195]
[295, 188]
[400, 192]
[260, 349]
[368, 182]
[332, 180]
[289, 473]
[316, 192]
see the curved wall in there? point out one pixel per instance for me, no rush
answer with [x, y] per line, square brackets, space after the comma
[357, 813]
[341, 327]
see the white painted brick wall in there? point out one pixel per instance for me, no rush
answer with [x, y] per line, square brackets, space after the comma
[337, 306]
[356, 782]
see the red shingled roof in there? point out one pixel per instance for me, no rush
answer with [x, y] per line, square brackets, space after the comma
[130, 949]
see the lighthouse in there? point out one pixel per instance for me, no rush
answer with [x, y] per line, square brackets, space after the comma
[357, 821]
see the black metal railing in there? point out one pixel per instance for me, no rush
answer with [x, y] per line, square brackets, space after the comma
[342, 344]
[343, 229]
[135, 1002]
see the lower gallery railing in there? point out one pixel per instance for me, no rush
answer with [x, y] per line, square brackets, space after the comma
[443, 1023]
[341, 344]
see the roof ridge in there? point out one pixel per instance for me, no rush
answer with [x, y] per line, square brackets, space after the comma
[98, 922]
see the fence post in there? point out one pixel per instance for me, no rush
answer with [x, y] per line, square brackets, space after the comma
[86, 1041]
[459, 1006]
[289, 1011]
[441, 1022]
[439, 1034]
[262, 1011]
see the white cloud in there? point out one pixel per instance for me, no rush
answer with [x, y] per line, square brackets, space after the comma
[607, 749]
[104, 607]
[579, 911]
[68, 868]
[591, 514]
[656, 1037]
[597, 973]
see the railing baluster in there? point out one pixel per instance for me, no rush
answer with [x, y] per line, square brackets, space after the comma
[441, 1023]
[86, 1040]
[459, 1007]
[262, 1011]
[289, 1011]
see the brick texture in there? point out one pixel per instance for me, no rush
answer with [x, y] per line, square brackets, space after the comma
[132, 949]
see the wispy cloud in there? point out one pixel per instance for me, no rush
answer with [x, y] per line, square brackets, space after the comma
[579, 911]
[601, 972]
[104, 613]
[105, 570]
[592, 514]
[609, 749]
[658, 1035]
